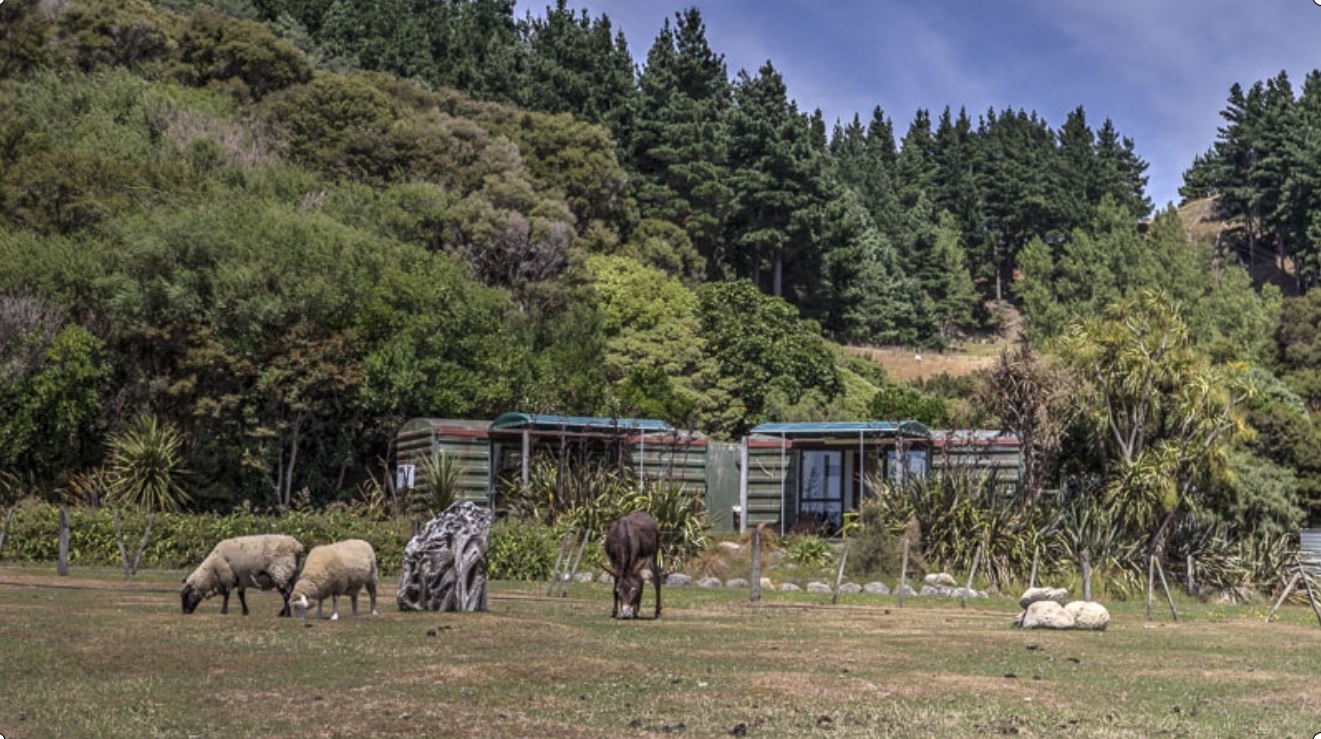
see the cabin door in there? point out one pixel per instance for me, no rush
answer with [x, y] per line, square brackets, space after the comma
[822, 492]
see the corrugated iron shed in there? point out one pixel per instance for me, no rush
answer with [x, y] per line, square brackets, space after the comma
[774, 455]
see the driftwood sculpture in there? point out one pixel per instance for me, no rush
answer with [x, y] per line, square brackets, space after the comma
[444, 567]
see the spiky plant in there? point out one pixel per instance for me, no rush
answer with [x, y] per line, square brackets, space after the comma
[143, 464]
[439, 475]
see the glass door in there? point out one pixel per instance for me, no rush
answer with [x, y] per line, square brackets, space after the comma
[821, 496]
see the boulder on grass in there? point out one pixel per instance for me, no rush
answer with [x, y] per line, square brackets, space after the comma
[1046, 614]
[1088, 615]
[1032, 595]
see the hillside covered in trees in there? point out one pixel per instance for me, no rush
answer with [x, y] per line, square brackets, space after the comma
[283, 227]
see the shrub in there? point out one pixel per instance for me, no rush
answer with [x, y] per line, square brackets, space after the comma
[809, 551]
[181, 541]
[521, 550]
[876, 550]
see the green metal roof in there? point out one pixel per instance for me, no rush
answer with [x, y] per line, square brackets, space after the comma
[842, 428]
[542, 422]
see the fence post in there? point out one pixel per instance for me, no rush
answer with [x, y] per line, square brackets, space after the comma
[1311, 596]
[903, 574]
[839, 577]
[1151, 582]
[1165, 585]
[1086, 574]
[755, 585]
[559, 562]
[142, 547]
[4, 531]
[976, 558]
[1287, 589]
[119, 539]
[62, 567]
[573, 567]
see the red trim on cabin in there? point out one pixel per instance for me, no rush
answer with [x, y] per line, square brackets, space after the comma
[469, 433]
[770, 444]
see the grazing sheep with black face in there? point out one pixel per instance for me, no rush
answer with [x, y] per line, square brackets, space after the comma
[264, 561]
[332, 570]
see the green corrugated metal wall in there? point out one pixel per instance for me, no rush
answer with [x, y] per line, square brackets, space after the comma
[722, 482]
[674, 460]
[465, 441]
[770, 470]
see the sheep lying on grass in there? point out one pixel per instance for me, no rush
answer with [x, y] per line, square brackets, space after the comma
[264, 561]
[342, 568]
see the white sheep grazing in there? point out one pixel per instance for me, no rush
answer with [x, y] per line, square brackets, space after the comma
[342, 568]
[264, 561]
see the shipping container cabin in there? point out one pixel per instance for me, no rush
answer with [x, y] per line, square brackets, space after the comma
[992, 455]
[655, 450]
[808, 476]
[465, 442]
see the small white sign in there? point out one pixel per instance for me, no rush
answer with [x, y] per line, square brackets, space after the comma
[404, 476]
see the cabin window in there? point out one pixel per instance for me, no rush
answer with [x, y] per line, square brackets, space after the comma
[916, 467]
[822, 494]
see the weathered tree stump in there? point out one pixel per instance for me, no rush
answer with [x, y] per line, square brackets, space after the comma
[444, 567]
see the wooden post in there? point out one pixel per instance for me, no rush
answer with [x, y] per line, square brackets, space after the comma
[559, 562]
[1036, 554]
[1166, 586]
[755, 585]
[119, 540]
[1311, 596]
[573, 568]
[1151, 582]
[976, 558]
[137, 559]
[62, 567]
[1086, 575]
[839, 577]
[4, 531]
[1192, 582]
[1287, 589]
[903, 574]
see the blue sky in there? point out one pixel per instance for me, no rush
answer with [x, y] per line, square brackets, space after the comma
[1161, 70]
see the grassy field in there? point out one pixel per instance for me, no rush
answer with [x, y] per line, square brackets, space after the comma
[90, 655]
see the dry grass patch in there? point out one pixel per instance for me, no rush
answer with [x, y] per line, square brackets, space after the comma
[116, 659]
[906, 365]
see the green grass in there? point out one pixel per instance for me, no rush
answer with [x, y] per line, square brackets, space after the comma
[92, 655]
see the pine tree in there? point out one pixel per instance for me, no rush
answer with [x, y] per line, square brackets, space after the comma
[865, 160]
[577, 64]
[680, 137]
[1076, 172]
[954, 295]
[955, 188]
[1237, 150]
[777, 176]
[1017, 150]
[1302, 188]
[1120, 172]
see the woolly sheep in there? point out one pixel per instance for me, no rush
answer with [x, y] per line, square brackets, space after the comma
[264, 561]
[342, 568]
